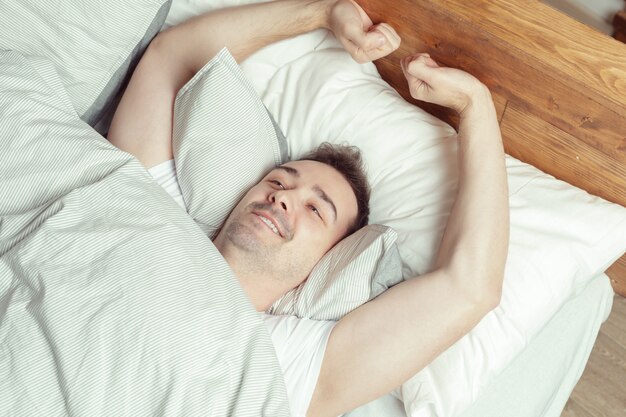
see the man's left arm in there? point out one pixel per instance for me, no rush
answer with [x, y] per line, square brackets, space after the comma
[386, 341]
[142, 124]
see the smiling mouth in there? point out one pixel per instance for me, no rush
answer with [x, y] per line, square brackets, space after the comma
[269, 224]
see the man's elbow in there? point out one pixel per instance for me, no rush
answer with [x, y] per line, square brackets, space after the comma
[481, 301]
[491, 296]
[482, 287]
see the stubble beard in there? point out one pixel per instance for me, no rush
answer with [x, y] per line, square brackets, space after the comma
[256, 256]
[242, 237]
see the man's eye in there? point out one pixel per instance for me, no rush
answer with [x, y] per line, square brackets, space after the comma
[316, 211]
[276, 182]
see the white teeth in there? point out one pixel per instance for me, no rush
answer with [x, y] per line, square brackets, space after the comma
[270, 224]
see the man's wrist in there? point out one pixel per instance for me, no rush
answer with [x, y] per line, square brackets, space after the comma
[478, 100]
[479, 120]
[325, 8]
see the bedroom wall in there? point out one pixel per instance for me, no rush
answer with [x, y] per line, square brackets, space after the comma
[595, 13]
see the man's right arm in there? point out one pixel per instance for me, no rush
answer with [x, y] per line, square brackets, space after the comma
[142, 124]
[383, 343]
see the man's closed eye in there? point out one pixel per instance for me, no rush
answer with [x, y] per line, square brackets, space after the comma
[316, 211]
[278, 183]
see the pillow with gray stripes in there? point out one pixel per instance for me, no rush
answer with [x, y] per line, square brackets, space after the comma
[224, 142]
[223, 139]
[93, 46]
[356, 270]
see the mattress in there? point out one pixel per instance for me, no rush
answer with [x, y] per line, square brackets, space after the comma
[541, 378]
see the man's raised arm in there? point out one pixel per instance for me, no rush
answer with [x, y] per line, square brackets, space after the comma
[142, 124]
[383, 343]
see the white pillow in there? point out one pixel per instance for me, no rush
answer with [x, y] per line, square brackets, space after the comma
[93, 48]
[561, 236]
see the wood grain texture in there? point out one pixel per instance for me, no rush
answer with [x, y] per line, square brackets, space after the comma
[573, 409]
[601, 391]
[516, 49]
[528, 137]
[549, 74]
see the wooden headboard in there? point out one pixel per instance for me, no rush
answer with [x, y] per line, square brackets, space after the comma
[559, 86]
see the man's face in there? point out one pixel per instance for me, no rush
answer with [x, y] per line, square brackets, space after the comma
[289, 220]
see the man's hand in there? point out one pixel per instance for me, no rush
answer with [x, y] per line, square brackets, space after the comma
[364, 40]
[447, 87]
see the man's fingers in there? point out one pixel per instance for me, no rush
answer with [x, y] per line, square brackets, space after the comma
[418, 70]
[380, 40]
[411, 65]
[365, 40]
[357, 53]
[420, 66]
[378, 43]
[404, 64]
[359, 36]
[390, 34]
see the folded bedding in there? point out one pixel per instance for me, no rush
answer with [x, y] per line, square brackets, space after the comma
[112, 300]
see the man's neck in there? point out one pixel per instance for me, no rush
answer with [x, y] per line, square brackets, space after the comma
[261, 287]
[262, 291]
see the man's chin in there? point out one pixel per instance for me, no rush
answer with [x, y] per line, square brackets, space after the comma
[243, 237]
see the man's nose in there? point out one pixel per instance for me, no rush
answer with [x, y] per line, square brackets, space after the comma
[281, 200]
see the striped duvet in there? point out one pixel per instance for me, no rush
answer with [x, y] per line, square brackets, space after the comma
[112, 301]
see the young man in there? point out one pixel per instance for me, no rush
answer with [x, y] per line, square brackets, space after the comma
[286, 223]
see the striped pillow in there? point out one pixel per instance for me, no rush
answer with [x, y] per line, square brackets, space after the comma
[93, 45]
[356, 270]
[224, 142]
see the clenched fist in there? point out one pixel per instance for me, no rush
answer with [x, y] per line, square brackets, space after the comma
[447, 87]
[364, 40]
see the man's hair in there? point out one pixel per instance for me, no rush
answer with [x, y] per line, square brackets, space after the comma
[348, 161]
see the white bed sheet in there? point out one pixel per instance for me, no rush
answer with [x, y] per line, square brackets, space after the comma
[539, 381]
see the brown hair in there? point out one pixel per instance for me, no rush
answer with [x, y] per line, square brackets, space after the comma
[347, 160]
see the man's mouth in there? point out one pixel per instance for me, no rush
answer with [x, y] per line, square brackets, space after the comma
[269, 224]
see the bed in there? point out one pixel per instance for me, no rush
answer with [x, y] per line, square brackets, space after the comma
[104, 303]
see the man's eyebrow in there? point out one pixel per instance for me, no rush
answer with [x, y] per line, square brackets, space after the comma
[321, 194]
[289, 170]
